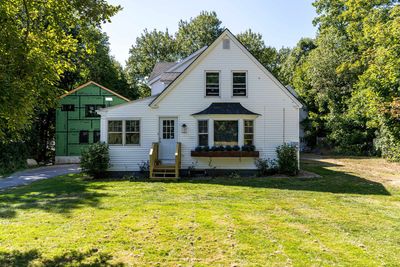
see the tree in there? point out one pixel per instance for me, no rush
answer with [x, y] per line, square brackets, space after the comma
[197, 32]
[150, 48]
[37, 44]
[268, 56]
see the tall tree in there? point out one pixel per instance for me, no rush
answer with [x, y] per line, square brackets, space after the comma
[37, 44]
[151, 47]
[198, 32]
[268, 56]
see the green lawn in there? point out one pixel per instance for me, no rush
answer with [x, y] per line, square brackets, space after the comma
[343, 219]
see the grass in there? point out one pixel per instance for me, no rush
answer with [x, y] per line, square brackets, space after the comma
[349, 217]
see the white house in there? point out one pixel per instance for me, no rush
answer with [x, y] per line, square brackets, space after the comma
[219, 96]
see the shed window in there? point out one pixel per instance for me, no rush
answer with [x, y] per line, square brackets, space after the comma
[132, 132]
[248, 132]
[68, 107]
[96, 136]
[226, 133]
[115, 132]
[203, 132]
[90, 110]
[212, 83]
[239, 83]
[83, 137]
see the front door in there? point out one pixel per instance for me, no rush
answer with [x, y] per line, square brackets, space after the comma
[168, 137]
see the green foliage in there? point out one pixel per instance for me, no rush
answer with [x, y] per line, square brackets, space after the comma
[197, 32]
[37, 46]
[287, 159]
[12, 157]
[265, 166]
[95, 160]
[268, 56]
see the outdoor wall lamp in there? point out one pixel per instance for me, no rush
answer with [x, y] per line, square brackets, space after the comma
[184, 128]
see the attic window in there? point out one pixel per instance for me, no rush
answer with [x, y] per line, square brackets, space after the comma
[226, 44]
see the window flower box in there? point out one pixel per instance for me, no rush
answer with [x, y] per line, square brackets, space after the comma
[225, 154]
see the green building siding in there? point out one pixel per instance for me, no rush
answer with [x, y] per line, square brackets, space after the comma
[69, 124]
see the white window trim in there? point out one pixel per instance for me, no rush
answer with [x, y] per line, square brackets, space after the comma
[240, 133]
[244, 132]
[124, 131]
[247, 83]
[205, 83]
[208, 131]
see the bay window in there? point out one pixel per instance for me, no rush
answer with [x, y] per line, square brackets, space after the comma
[248, 132]
[203, 132]
[226, 132]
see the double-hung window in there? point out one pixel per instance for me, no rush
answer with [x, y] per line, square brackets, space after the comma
[124, 132]
[115, 132]
[249, 132]
[132, 132]
[239, 83]
[212, 83]
[203, 132]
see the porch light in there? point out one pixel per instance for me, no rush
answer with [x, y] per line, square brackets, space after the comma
[184, 128]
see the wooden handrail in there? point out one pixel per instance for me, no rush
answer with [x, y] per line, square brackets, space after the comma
[153, 154]
[178, 156]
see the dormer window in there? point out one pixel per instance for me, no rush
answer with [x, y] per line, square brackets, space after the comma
[212, 83]
[239, 83]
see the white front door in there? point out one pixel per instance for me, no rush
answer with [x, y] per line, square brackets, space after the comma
[168, 137]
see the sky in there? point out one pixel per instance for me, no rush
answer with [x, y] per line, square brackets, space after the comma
[281, 22]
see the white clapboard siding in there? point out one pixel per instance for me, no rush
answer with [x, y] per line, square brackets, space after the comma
[278, 123]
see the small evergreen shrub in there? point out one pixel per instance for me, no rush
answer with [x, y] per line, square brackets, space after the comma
[287, 159]
[95, 160]
[144, 168]
[266, 166]
[236, 148]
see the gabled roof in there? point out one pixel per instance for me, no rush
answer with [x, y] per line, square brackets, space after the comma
[160, 68]
[98, 85]
[226, 108]
[205, 52]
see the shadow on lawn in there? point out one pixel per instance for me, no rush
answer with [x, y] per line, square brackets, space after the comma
[74, 258]
[59, 195]
[331, 181]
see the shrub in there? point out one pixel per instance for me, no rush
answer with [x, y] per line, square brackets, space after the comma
[266, 166]
[95, 160]
[228, 148]
[221, 148]
[214, 148]
[206, 148]
[248, 148]
[236, 148]
[287, 159]
[198, 149]
[12, 157]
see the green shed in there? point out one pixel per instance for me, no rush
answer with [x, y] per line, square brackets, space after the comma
[77, 123]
